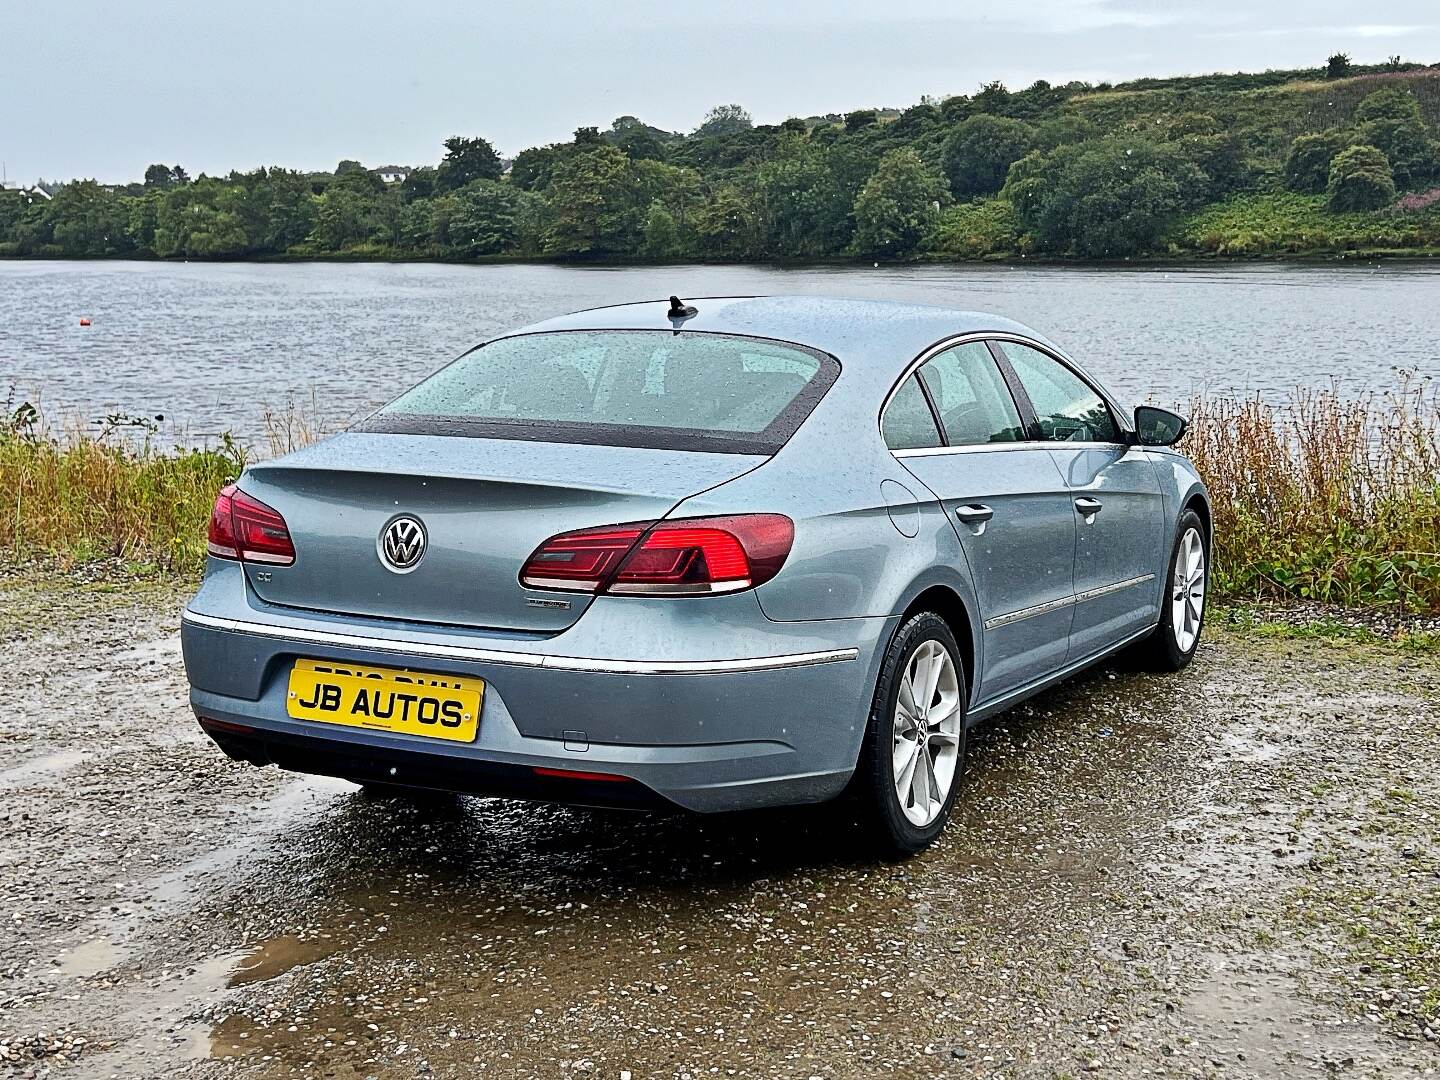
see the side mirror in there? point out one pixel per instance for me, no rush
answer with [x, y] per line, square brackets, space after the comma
[1158, 427]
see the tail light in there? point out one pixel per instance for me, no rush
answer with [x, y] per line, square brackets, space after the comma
[244, 528]
[686, 557]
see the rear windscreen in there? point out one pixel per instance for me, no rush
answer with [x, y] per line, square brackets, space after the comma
[621, 387]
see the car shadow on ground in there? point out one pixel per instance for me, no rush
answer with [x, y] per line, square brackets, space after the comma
[1084, 743]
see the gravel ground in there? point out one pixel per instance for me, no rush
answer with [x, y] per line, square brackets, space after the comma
[1229, 873]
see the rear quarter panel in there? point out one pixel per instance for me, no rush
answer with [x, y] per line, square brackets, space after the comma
[869, 536]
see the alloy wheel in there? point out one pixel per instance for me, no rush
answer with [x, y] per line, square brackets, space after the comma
[927, 732]
[1187, 593]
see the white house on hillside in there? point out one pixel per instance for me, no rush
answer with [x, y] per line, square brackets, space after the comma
[392, 174]
[29, 192]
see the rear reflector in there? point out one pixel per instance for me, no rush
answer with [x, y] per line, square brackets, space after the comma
[571, 774]
[686, 557]
[244, 528]
[211, 724]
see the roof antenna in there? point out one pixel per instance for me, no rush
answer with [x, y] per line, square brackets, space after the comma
[680, 311]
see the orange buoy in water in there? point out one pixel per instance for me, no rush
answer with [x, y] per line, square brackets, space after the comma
[84, 322]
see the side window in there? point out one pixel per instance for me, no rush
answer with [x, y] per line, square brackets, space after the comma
[908, 424]
[971, 397]
[1068, 410]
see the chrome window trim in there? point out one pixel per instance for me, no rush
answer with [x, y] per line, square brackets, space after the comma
[519, 659]
[991, 448]
[914, 366]
[930, 353]
[1064, 602]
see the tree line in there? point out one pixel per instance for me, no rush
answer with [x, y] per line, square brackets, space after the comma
[1061, 170]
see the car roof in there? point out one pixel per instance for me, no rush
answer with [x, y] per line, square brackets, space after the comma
[878, 335]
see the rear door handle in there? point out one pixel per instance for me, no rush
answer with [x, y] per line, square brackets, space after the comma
[975, 516]
[1088, 508]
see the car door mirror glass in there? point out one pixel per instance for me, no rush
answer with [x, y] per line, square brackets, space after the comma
[1158, 427]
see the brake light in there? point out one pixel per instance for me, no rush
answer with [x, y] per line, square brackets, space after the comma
[244, 528]
[580, 561]
[687, 557]
[222, 526]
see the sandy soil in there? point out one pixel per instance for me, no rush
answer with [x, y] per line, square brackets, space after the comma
[1231, 873]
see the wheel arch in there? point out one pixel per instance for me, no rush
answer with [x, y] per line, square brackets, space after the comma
[946, 602]
[1198, 502]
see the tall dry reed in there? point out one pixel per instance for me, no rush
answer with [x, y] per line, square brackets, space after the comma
[1321, 497]
[1325, 498]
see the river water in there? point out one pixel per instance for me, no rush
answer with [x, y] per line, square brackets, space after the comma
[212, 346]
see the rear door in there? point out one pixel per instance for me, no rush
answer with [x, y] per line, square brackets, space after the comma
[1007, 500]
[1121, 543]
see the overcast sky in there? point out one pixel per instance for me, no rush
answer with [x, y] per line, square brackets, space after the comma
[103, 87]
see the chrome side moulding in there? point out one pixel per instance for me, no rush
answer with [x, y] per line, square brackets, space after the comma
[1029, 612]
[985, 709]
[1103, 590]
[520, 659]
[1065, 601]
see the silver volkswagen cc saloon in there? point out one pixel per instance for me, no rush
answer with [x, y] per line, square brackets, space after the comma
[720, 554]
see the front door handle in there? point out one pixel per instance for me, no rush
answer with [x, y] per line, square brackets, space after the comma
[1089, 508]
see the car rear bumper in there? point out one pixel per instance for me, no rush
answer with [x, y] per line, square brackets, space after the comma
[743, 731]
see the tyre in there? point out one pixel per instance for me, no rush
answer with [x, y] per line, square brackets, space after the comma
[913, 754]
[1182, 606]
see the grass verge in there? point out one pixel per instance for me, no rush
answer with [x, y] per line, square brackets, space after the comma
[1328, 630]
[76, 498]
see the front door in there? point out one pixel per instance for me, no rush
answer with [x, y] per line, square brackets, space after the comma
[1120, 547]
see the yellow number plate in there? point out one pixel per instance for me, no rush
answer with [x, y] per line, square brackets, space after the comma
[386, 699]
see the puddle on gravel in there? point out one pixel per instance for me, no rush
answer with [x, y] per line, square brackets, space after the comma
[90, 958]
[275, 957]
[37, 767]
[269, 820]
[1255, 1017]
[163, 1009]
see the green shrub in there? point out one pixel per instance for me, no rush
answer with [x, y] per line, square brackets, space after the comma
[1406, 145]
[1284, 223]
[975, 230]
[979, 152]
[662, 236]
[81, 498]
[1360, 179]
[1307, 165]
[1105, 199]
[1324, 499]
[898, 204]
[1391, 103]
